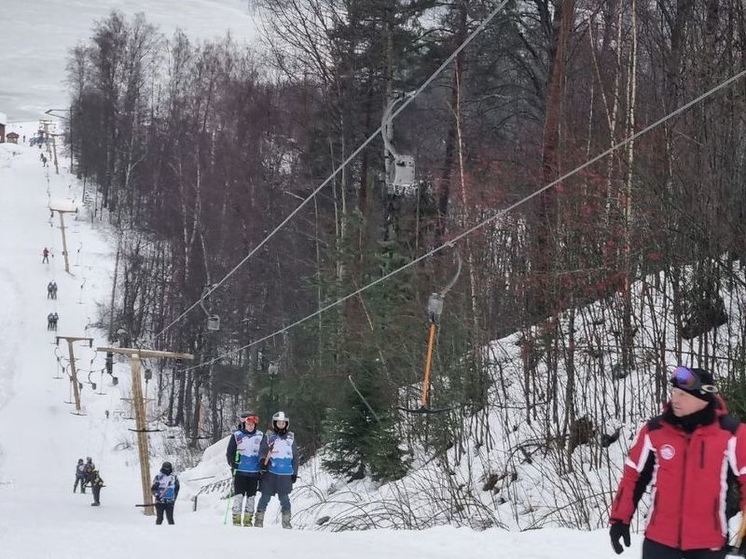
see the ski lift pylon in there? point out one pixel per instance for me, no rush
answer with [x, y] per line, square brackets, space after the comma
[434, 312]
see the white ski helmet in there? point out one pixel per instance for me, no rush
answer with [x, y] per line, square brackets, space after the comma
[280, 416]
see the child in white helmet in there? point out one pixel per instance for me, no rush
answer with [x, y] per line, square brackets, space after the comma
[279, 464]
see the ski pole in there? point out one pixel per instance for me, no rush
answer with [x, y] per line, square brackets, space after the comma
[229, 500]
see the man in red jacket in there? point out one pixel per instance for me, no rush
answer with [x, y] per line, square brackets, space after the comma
[689, 453]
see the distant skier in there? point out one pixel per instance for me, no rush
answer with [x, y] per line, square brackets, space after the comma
[79, 476]
[243, 459]
[45, 256]
[54, 290]
[688, 452]
[279, 464]
[96, 484]
[50, 321]
[88, 469]
[55, 318]
[165, 489]
[50, 290]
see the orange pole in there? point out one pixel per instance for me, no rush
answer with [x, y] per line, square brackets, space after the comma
[428, 365]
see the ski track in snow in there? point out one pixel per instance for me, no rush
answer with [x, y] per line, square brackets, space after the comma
[40, 440]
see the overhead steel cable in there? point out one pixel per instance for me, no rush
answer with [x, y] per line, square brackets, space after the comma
[346, 162]
[486, 221]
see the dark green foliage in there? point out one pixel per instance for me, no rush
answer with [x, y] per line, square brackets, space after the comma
[359, 442]
[733, 391]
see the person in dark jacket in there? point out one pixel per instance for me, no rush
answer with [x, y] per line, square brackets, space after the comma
[243, 458]
[165, 490]
[79, 476]
[279, 464]
[88, 469]
[691, 450]
[96, 484]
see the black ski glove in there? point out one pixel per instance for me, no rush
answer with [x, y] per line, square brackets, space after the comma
[617, 531]
[294, 478]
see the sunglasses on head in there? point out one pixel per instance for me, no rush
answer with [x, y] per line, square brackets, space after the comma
[252, 418]
[686, 379]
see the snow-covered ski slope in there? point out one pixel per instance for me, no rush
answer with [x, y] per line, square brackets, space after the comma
[37, 35]
[40, 440]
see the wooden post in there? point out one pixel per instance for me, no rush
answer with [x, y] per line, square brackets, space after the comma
[64, 238]
[74, 375]
[73, 371]
[64, 241]
[142, 436]
[54, 151]
[428, 365]
[46, 124]
[141, 422]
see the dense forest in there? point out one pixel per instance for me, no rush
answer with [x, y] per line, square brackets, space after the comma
[199, 151]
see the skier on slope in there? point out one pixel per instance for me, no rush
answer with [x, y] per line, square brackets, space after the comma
[165, 489]
[88, 469]
[79, 476]
[45, 256]
[96, 484]
[690, 450]
[279, 464]
[50, 290]
[243, 458]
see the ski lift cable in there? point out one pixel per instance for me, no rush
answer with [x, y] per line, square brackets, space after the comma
[455, 277]
[409, 98]
[360, 395]
[484, 222]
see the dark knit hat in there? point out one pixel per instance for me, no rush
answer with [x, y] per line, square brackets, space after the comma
[701, 386]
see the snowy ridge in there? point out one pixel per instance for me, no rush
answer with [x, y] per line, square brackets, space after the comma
[520, 475]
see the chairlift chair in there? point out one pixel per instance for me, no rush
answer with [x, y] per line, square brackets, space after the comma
[213, 323]
[213, 320]
[401, 178]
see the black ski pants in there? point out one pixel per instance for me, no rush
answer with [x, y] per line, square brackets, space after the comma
[160, 508]
[79, 480]
[96, 493]
[245, 484]
[655, 550]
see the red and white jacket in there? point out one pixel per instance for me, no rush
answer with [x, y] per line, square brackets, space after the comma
[689, 473]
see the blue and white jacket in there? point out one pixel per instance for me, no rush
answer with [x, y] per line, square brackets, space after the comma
[243, 451]
[280, 449]
[165, 487]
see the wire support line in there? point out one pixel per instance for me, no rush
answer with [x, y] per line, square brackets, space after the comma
[484, 222]
[344, 164]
